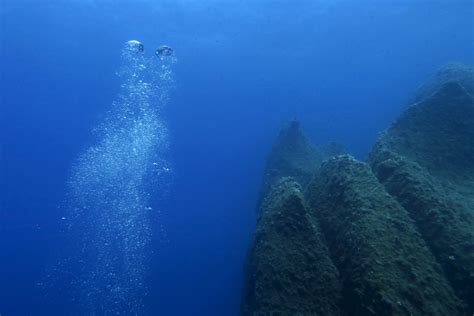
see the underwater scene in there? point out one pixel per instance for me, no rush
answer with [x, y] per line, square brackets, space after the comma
[236, 157]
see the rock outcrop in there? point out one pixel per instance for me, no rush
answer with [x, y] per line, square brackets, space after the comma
[461, 73]
[426, 160]
[289, 271]
[394, 236]
[385, 266]
[294, 155]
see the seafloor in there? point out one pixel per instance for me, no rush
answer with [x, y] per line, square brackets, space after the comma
[390, 236]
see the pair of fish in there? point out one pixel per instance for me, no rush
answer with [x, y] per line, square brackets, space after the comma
[138, 47]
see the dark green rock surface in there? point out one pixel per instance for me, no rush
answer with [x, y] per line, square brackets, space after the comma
[385, 266]
[289, 271]
[426, 160]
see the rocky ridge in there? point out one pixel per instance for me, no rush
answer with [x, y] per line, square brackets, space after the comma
[393, 236]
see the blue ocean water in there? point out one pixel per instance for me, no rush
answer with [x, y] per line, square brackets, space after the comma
[194, 137]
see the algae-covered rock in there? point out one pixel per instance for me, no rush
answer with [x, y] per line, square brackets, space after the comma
[463, 74]
[395, 238]
[385, 266]
[294, 155]
[289, 271]
[426, 160]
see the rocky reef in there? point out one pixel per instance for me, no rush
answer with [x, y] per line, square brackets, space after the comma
[426, 161]
[391, 236]
[290, 271]
[384, 264]
[294, 155]
[463, 74]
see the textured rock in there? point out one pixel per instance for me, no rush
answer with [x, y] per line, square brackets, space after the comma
[426, 160]
[384, 264]
[461, 73]
[392, 237]
[294, 155]
[289, 271]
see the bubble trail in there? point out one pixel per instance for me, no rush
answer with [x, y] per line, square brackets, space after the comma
[109, 190]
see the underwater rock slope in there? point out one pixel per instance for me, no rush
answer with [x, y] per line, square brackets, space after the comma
[385, 266]
[461, 73]
[394, 236]
[426, 160]
[289, 271]
[294, 155]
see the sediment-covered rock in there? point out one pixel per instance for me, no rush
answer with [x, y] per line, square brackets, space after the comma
[289, 271]
[426, 160]
[385, 266]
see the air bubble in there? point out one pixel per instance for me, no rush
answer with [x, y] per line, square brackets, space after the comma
[109, 191]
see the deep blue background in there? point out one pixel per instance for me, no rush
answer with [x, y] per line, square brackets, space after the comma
[245, 67]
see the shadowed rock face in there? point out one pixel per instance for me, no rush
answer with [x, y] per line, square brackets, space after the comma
[289, 271]
[385, 266]
[426, 160]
